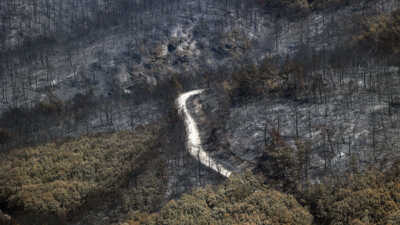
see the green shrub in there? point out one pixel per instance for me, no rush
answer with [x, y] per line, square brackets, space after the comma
[241, 200]
[56, 179]
[371, 197]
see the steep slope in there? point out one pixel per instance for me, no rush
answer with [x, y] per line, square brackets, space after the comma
[59, 182]
[241, 200]
[194, 144]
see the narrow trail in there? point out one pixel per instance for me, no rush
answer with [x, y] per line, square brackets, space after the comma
[193, 136]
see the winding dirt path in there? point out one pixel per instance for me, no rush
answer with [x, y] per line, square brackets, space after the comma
[193, 136]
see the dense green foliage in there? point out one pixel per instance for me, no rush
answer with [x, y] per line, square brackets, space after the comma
[241, 200]
[59, 178]
[371, 197]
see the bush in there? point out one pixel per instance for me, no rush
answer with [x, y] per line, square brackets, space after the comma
[58, 179]
[372, 197]
[241, 200]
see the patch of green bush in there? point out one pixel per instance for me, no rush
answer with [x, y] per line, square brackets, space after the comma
[371, 197]
[59, 178]
[240, 200]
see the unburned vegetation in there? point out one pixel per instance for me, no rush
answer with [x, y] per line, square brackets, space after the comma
[55, 181]
[243, 199]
